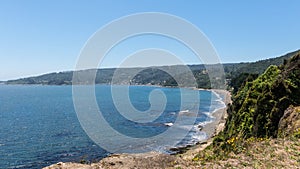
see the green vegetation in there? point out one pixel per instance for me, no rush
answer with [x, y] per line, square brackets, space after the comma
[240, 80]
[259, 106]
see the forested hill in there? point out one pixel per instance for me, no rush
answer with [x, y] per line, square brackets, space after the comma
[155, 75]
[265, 107]
[260, 66]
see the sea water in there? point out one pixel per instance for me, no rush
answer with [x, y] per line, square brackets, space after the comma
[39, 125]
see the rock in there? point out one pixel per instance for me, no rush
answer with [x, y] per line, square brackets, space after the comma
[59, 163]
[200, 127]
[290, 121]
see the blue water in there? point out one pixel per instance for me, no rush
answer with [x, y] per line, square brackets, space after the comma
[39, 125]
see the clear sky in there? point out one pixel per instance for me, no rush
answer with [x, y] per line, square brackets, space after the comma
[41, 36]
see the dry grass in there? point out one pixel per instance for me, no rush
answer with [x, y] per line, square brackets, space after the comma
[266, 153]
[257, 153]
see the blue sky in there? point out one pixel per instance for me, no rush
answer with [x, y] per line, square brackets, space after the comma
[38, 37]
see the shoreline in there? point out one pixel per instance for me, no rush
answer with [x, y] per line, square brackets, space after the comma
[212, 129]
[156, 159]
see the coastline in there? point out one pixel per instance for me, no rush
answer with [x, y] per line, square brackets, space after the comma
[157, 159]
[212, 129]
[220, 115]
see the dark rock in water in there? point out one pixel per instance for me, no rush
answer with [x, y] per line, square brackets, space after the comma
[180, 150]
[205, 142]
[200, 127]
[201, 143]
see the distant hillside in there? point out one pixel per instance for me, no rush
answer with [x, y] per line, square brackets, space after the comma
[143, 76]
[260, 66]
[150, 76]
[155, 75]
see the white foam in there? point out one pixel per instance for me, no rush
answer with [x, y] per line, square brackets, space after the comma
[204, 123]
[172, 113]
[168, 124]
[199, 137]
[184, 111]
[219, 98]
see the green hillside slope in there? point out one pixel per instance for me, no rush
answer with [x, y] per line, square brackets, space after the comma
[259, 105]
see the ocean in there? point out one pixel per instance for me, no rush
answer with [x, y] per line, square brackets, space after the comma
[39, 125]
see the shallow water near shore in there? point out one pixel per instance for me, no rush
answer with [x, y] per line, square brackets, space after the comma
[39, 126]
